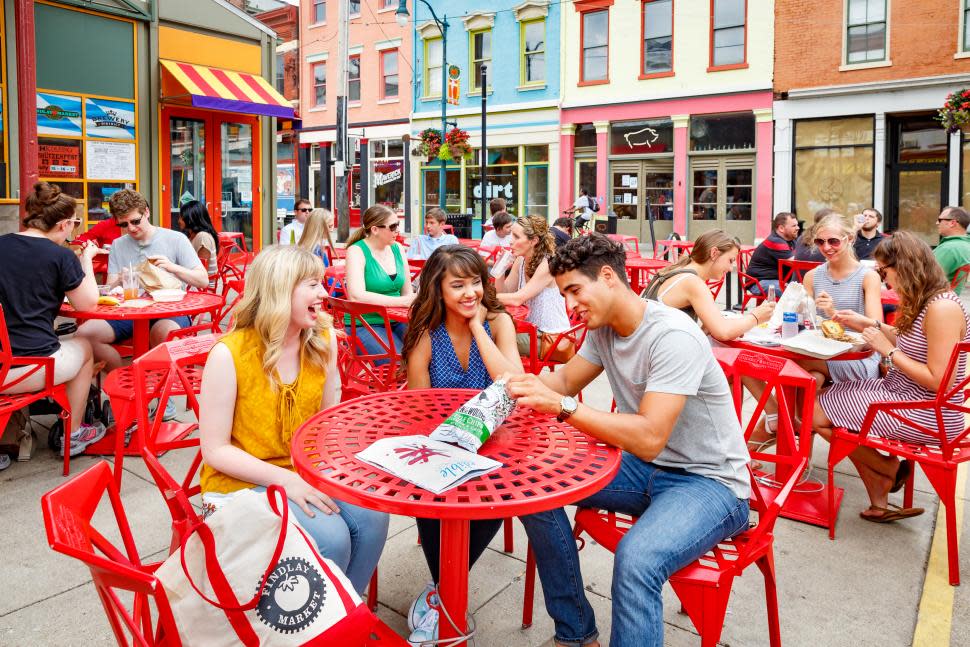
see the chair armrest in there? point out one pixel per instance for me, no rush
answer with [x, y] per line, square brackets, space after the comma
[38, 363]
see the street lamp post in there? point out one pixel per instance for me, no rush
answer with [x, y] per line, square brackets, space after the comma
[402, 15]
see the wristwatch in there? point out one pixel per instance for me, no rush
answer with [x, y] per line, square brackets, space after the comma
[567, 407]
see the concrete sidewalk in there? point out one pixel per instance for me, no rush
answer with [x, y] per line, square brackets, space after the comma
[863, 589]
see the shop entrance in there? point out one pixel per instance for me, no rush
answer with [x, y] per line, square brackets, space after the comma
[638, 188]
[722, 196]
[918, 176]
[212, 157]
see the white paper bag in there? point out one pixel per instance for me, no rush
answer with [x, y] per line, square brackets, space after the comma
[434, 465]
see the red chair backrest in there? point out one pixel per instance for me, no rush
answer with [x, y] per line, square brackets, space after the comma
[335, 279]
[448, 229]
[359, 369]
[960, 276]
[69, 512]
[415, 266]
[6, 353]
[790, 270]
[489, 252]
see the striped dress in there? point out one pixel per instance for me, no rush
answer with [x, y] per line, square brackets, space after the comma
[846, 403]
[847, 294]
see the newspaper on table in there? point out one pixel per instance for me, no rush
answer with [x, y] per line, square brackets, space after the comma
[431, 464]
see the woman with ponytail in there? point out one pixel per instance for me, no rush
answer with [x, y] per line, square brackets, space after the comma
[529, 281]
[36, 272]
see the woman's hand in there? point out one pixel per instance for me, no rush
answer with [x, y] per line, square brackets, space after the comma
[479, 317]
[879, 342]
[851, 319]
[304, 495]
[825, 303]
[763, 312]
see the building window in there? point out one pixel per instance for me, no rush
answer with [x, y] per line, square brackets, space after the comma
[833, 165]
[354, 8]
[532, 38]
[389, 77]
[280, 73]
[865, 36]
[596, 46]
[353, 79]
[319, 84]
[647, 137]
[388, 4]
[319, 11]
[585, 136]
[481, 49]
[728, 32]
[432, 67]
[658, 37]
[726, 133]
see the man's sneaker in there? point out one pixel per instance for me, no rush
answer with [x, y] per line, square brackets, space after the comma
[84, 436]
[426, 633]
[426, 600]
[168, 415]
[4, 461]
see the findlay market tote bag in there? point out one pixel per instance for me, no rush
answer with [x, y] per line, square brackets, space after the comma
[249, 575]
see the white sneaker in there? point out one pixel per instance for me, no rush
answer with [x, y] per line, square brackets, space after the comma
[427, 630]
[427, 599]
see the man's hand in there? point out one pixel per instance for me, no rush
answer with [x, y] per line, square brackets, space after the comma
[162, 262]
[530, 391]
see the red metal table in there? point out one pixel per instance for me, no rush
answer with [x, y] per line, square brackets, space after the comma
[474, 243]
[889, 297]
[402, 313]
[641, 270]
[194, 303]
[809, 507]
[545, 464]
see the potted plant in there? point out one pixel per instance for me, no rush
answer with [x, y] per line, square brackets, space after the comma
[456, 146]
[429, 145]
[955, 113]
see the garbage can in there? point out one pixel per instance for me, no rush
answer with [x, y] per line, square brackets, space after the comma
[606, 225]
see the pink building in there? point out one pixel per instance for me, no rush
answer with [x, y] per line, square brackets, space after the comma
[379, 95]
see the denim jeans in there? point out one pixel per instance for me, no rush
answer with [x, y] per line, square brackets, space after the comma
[762, 288]
[682, 516]
[353, 539]
[374, 347]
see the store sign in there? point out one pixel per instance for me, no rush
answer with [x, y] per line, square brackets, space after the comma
[380, 179]
[55, 160]
[494, 191]
[454, 85]
[58, 115]
[110, 119]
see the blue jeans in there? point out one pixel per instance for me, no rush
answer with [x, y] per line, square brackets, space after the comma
[762, 288]
[374, 347]
[682, 516]
[353, 539]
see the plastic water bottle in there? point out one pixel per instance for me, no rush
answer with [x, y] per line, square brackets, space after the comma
[789, 324]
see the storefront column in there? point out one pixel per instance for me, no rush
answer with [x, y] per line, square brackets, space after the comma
[364, 174]
[879, 171]
[681, 144]
[406, 164]
[26, 91]
[567, 137]
[602, 158]
[782, 169]
[324, 179]
[954, 184]
[303, 172]
[764, 137]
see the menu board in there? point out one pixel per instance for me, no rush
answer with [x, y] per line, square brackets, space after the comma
[110, 160]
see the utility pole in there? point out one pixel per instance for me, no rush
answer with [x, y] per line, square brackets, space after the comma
[484, 152]
[342, 167]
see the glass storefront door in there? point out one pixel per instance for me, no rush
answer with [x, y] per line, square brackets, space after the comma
[722, 196]
[918, 175]
[223, 173]
[641, 191]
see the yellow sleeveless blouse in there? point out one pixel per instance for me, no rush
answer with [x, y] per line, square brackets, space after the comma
[264, 419]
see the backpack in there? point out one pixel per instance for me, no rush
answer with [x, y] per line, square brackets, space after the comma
[594, 204]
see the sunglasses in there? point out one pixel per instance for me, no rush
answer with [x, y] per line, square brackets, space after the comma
[134, 222]
[939, 220]
[305, 210]
[391, 227]
[831, 242]
[881, 271]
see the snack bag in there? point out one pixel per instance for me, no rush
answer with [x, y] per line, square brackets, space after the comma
[474, 422]
[155, 278]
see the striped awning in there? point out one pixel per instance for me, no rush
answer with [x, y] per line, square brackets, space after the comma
[219, 89]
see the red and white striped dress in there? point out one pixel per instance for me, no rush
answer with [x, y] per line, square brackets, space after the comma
[846, 403]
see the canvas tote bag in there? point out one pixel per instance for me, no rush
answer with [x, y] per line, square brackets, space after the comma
[249, 575]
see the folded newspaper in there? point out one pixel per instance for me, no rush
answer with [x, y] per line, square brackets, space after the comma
[431, 464]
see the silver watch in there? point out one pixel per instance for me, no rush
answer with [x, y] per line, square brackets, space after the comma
[567, 407]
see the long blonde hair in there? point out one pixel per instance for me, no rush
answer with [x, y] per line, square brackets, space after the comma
[266, 306]
[834, 221]
[700, 253]
[375, 216]
[537, 227]
[316, 230]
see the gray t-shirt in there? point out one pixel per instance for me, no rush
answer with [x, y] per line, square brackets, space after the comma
[668, 353]
[171, 244]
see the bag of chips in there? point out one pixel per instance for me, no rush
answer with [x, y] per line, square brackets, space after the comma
[474, 422]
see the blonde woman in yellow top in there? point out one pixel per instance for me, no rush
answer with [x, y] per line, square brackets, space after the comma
[275, 368]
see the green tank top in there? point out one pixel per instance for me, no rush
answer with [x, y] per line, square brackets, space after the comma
[377, 280]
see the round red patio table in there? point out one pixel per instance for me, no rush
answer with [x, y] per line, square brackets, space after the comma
[402, 313]
[779, 351]
[194, 303]
[641, 270]
[545, 464]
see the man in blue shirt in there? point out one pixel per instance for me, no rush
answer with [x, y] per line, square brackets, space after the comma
[434, 224]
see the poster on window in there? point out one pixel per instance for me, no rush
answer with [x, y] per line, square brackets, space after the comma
[111, 119]
[58, 115]
[110, 160]
[62, 159]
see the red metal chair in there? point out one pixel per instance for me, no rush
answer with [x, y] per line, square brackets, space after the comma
[960, 277]
[119, 573]
[630, 243]
[362, 372]
[790, 270]
[335, 280]
[11, 403]
[939, 461]
[715, 287]
[747, 282]
[415, 267]
[536, 361]
[489, 253]
[704, 586]
[665, 248]
[448, 229]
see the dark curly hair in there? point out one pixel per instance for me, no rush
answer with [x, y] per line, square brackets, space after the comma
[919, 277]
[588, 254]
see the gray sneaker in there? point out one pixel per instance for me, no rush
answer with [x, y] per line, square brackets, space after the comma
[84, 436]
[4, 462]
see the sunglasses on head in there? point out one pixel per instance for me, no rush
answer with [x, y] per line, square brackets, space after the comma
[134, 222]
[391, 227]
[881, 271]
[832, 242]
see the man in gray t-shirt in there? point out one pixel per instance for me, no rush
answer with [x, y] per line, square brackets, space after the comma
[683, 471]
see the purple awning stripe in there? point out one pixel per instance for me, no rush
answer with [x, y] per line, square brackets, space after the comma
[244, 107]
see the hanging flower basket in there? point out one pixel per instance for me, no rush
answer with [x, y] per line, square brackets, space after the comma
[429, 145]
[955, 113]
[456, 146]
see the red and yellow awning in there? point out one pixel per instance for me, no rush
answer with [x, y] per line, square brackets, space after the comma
[219, 89]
